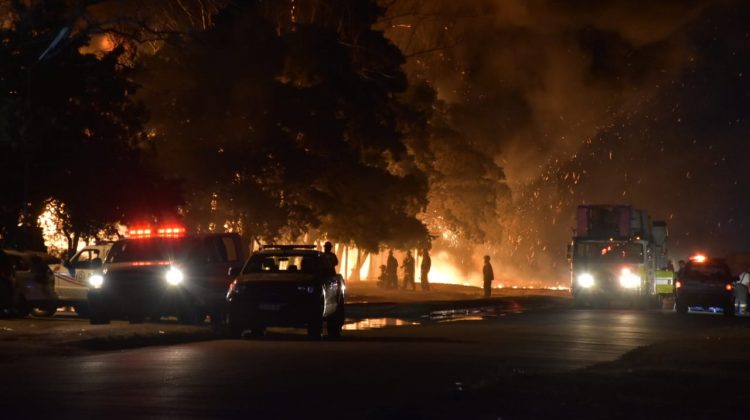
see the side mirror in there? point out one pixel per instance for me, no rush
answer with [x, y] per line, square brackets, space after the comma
[234, 271]
[570, 251]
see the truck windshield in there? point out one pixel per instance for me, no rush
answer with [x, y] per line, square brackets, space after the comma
[630, 252]
[152, 249]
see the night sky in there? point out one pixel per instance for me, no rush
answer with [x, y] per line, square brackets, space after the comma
[618, 102]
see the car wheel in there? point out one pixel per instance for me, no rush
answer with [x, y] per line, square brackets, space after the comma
[82, 310]
[258, 332]
[315, 330]
[336, 321]
[680, 308]
[21, 309]
[190, 315]
[235, 330]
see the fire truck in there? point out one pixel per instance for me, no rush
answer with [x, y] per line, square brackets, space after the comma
[618, 253]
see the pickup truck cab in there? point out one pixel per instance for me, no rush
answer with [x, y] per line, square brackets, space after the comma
[164, 272]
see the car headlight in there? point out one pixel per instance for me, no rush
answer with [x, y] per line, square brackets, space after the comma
[96, 281]
[585, 280]
[629, 280]
[175, 276]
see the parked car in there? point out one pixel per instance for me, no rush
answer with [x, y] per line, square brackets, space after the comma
[705, 282]
[286, 285]
[163, 272]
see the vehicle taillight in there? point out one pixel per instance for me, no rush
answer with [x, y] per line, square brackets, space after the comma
[678, 284]
[729, 287]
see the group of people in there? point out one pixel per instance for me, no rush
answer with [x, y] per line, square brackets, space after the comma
[389, 272]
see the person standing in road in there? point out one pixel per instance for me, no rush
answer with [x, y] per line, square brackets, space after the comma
[408, 267]
[740, 291]
[425, 270]
[392, 270]
[330, 260]
[488, 275]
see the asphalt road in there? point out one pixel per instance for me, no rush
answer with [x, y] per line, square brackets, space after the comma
[367, 374]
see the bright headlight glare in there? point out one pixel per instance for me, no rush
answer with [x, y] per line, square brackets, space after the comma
[585, 280]
[96, 281]
[175, 276]
[629, 280]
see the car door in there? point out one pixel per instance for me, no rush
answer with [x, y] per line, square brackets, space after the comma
[75, 287]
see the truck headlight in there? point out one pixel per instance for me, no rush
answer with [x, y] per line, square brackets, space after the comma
[585, 280]
[174, 276]
[96, 281]
[629, 280]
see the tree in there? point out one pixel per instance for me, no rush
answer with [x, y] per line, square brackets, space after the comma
[72, 130]
[294, 125]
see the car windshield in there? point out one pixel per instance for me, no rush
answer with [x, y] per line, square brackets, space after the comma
[631, 252]
[708, 271]
[152, 249]
[301, 263]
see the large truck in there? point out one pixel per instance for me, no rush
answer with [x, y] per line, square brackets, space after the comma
[618, 253]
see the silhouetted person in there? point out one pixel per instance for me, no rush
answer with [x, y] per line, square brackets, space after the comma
[329, 259]
[488, 275]
[424, 269]
[740, 291]
[392, 270]
[680, 268]
[383, 280]
[408, 266]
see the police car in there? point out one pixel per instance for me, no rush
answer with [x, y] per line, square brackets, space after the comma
[287, 285]
[158, 272]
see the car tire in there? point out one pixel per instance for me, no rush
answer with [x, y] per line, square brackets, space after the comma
[235, 330]
[680, 307]
[258, 332]
[21, 309]
[315, 330]
[190, 315]
[82, 310]
[579, 302]
[336, 321]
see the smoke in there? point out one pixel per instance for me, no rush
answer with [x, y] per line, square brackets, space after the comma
[562, 95]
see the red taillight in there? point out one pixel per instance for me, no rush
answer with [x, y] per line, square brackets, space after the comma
[729, 287]
[678, 284]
